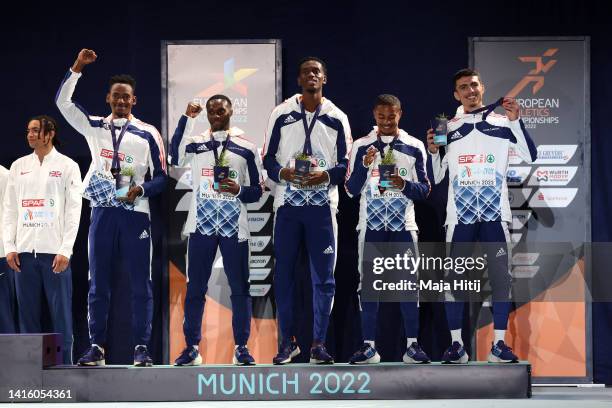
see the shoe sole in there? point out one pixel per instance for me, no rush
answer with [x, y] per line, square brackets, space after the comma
[494, 359]
[195, 362]
[93, 364]
[293, 354]
[321, 362]
[409, 360]
[462, 360]
[238, 363]
[375, 359]
[137, 364]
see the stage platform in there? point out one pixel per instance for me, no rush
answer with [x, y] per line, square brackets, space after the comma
[386, 381]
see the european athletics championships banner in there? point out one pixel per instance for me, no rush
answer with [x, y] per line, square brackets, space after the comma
[550, 199]
[249, 73]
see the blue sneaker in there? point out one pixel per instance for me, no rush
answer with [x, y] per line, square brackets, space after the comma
[242, 356]
[142, 357]
[455, 354]
[500, 353]
[365, 355]
[415, 355]
[94, 356]
[286, 353]
[190, 356]
[319, 355]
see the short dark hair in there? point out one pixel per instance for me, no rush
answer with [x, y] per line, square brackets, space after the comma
[465, 72]
[122, 79]
[50, 124]
[219, 96]
[387, 100]
[311, 58]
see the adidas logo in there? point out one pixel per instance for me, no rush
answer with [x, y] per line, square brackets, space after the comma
[501, 252]
[289, 119]
[202, 148]
[456, 135]
[328, 250]
[409, 252]
[144, 235]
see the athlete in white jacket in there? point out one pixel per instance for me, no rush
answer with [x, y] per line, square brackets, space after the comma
[42, 210]
[121, 147]
[476, 157]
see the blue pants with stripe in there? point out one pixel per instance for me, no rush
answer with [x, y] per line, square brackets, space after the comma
[200, 257]
[119, 238]
[35, 279]
[492, 233]
[313, 227]
[7, 299]
[369, 310]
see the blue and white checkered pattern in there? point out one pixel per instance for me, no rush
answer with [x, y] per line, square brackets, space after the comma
[386, 213]
[218, 217]
[100, 190]
[298, 198]
[478, 204]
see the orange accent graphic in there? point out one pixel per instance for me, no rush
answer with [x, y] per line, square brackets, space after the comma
[532, 76]
[548, 334]
[217, 345]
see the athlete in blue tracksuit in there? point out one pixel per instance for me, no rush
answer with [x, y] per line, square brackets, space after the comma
[123, 150]
[311, 125]
[387, 215]
[217, 219]
[476, 157]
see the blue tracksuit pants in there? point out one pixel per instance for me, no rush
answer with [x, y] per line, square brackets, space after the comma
[7, 299]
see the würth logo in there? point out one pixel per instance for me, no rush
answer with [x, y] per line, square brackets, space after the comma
[33, 202]
[534, 76]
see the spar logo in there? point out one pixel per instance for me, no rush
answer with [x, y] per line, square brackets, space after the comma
[33, 202]
[474, 158]
[108, 154]
[208, 173]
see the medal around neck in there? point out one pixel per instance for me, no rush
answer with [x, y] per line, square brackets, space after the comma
[124, 181]
[440, 130]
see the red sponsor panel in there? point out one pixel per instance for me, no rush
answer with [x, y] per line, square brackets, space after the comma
[33, 202]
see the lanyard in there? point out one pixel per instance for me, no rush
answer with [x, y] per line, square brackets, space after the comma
[307, 150]
[381, 149]
[215, 147]
[116, 165]
[487, 109]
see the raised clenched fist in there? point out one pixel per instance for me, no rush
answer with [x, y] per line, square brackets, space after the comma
[85, 57]
[193, 109]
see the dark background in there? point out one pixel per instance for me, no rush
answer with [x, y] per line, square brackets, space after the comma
[370, 47]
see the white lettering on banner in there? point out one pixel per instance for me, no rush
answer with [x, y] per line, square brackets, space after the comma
[553, 176]
[520, 218]
[259, 243]
[538, 102]
[259, 290]
[525, 271]
[525, 258]
[517, 175]
[257, 221]
[553, 197]
[259, 261]
[259, 274]
[555, 154]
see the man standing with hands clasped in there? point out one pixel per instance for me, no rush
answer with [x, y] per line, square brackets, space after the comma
[124, 149]
[306, 128]
[42, 210]
[478, 143]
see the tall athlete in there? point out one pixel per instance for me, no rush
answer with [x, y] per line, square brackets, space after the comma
[306, 124]
[42, 210]
[478, 209]
[387, 215]
[217, 219]
[120, 145]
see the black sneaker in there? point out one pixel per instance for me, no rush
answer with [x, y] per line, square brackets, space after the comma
[190, 356]
[142, 357]
[94, 356]
[286, 353]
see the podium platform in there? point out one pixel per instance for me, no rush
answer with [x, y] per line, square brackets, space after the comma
[475, 380]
